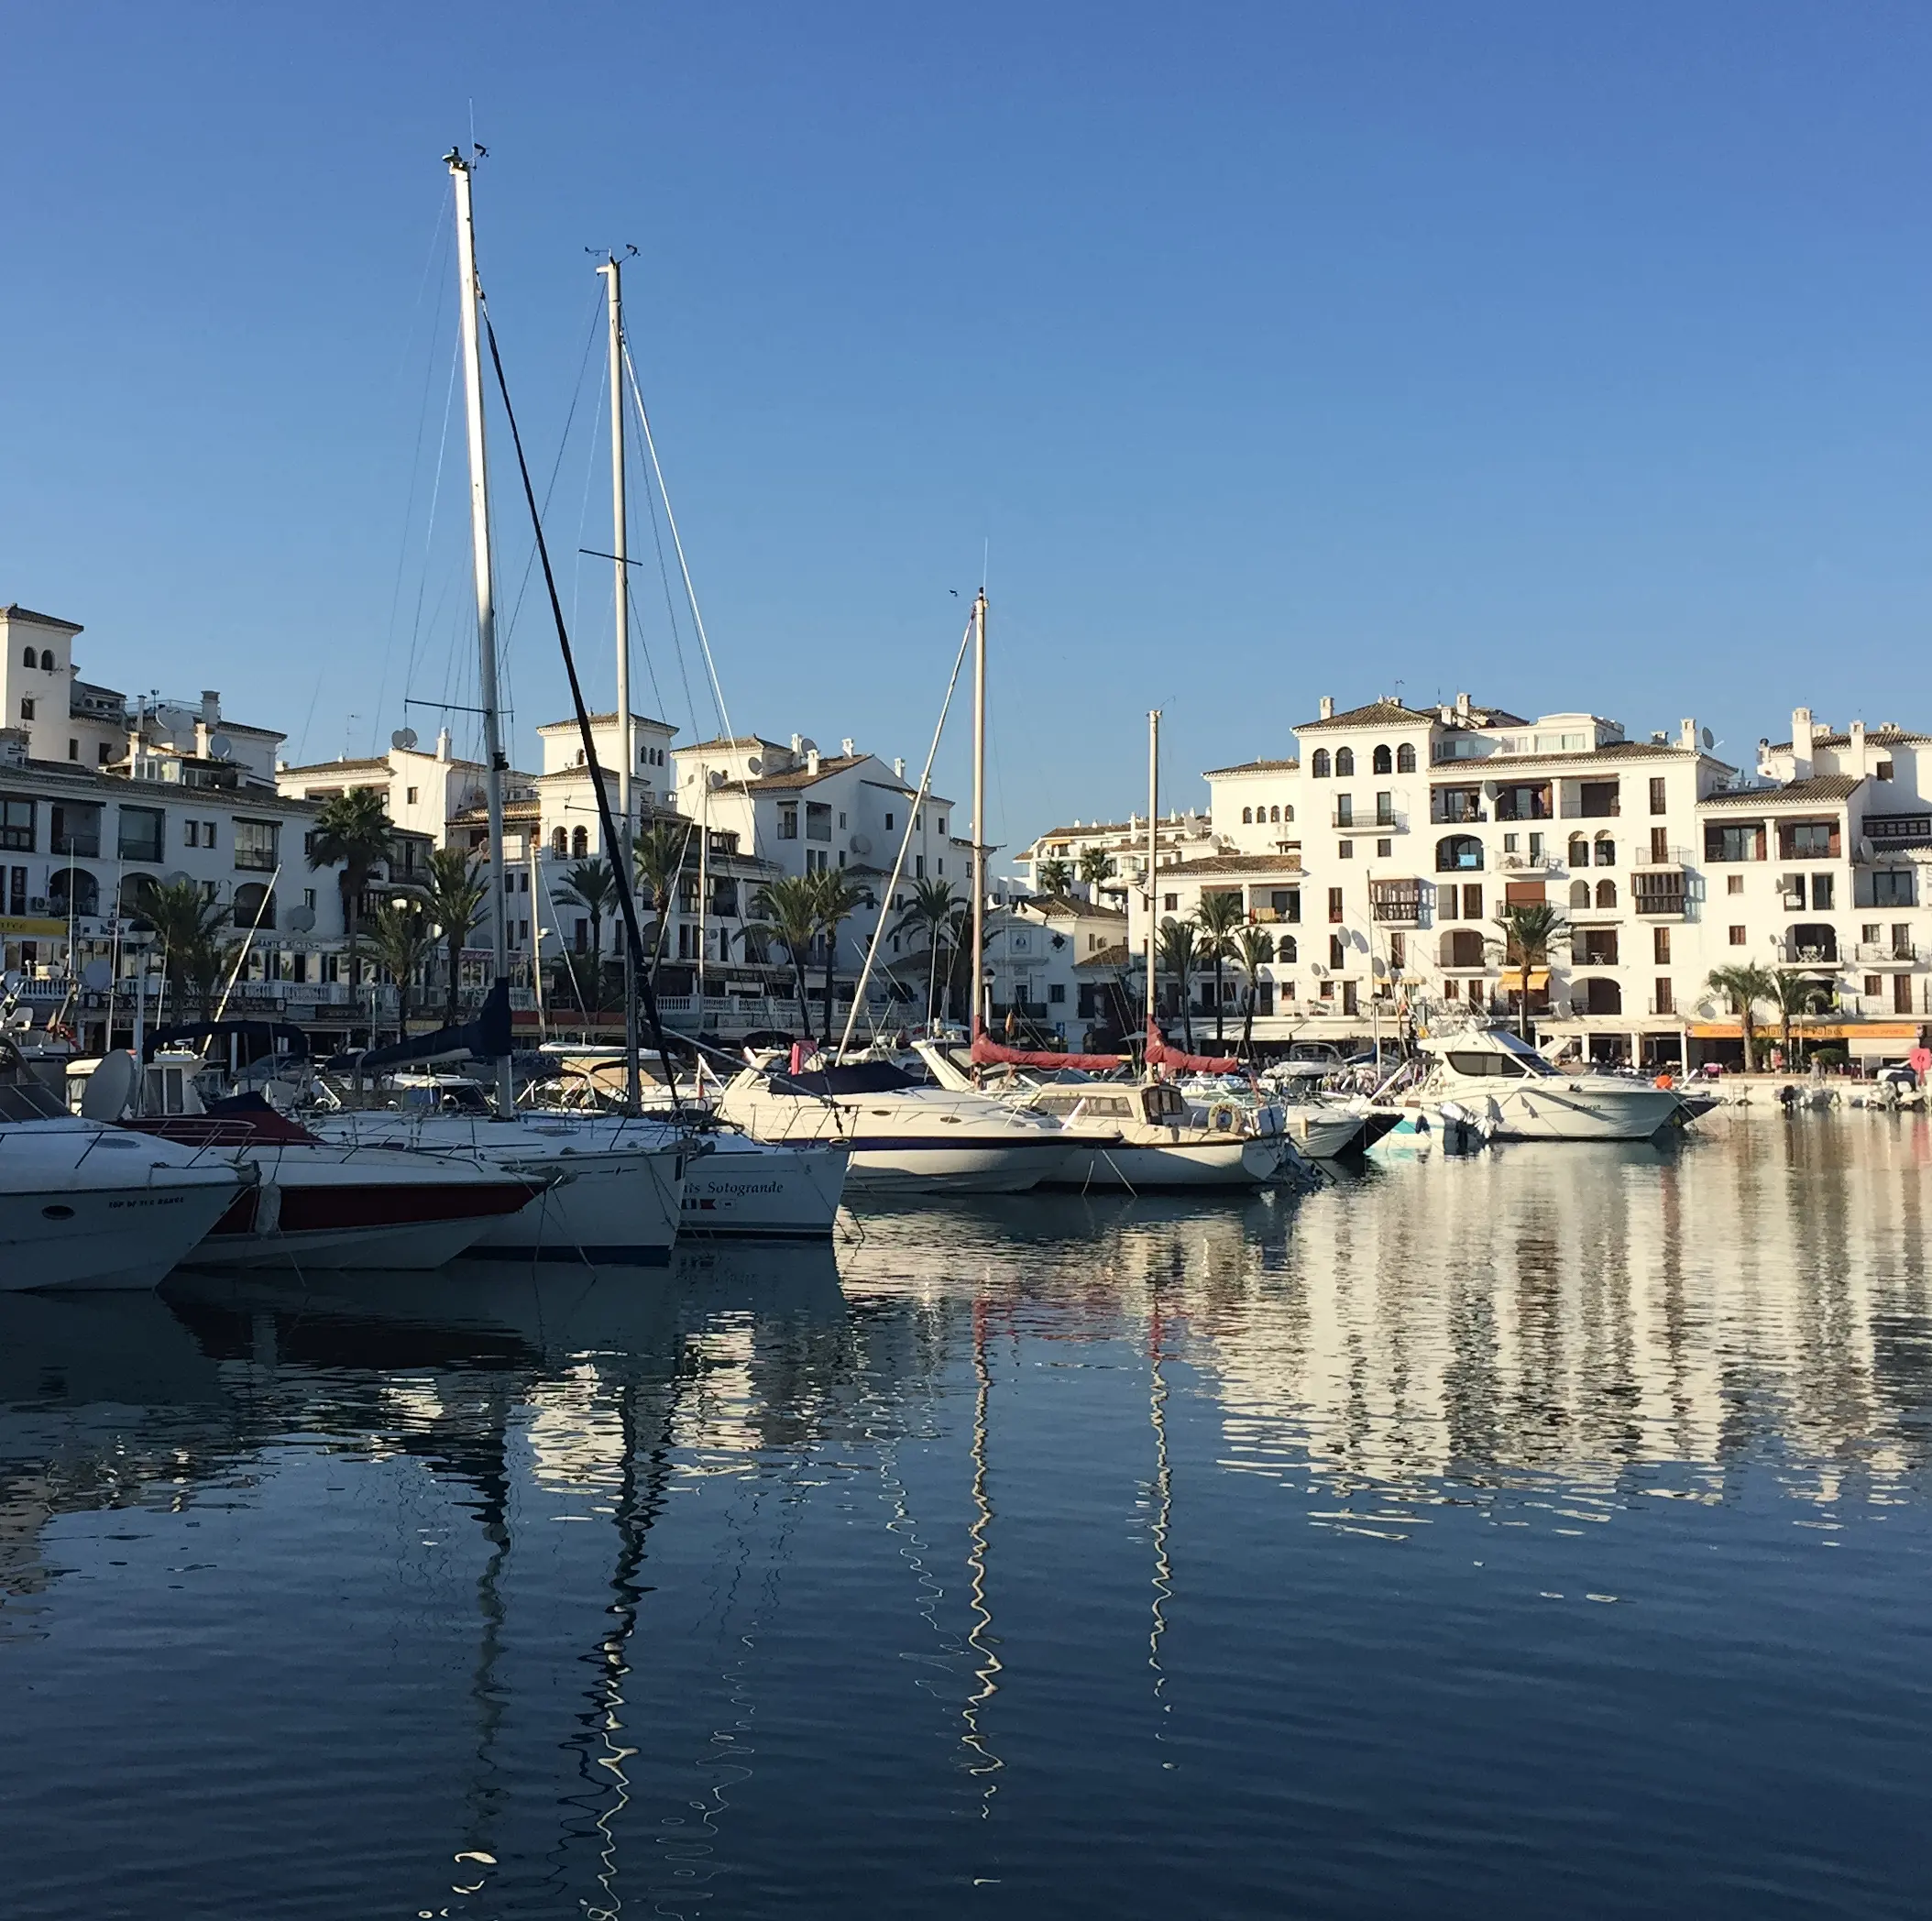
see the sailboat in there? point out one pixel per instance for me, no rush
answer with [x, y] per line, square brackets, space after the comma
[614, 1185]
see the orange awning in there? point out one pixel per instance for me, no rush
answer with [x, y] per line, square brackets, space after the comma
[1808, 1030]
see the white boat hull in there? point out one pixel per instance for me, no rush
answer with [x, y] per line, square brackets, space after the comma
[915, 1165]
[745, 1190]
[87, 1206]
[1321, 1133]
[1573, 1111]
[1243, 1162]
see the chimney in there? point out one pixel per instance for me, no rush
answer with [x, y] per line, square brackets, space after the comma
[1328, 707]
[811, 762]
[1687, 735]
[845, 747]
[1462, 707]
[898, 766]
[211, 708]
[1854, 762]
[1801, 743]
[442, 744]
[797, 744]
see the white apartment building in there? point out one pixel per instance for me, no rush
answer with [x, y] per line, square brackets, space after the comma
[1380, 854]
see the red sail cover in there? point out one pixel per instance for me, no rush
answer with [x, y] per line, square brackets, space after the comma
[990, 1053]
[1159, 1054]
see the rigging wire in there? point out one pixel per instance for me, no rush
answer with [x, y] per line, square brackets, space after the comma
[677, 643]
[697, 619]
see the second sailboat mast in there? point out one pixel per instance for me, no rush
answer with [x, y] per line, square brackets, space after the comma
[620, 856]
[488, 693]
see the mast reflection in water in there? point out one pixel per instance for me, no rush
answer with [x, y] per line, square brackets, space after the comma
[1545, 1530]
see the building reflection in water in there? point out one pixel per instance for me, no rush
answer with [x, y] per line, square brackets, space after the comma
[1607, 1323]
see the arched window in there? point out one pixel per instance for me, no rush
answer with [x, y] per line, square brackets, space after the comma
[1579, 894]
[1384, 762]
[1318, 767]
[1405, 758]
[1601, 996]
[26, 659]
[86, 899]
[1247, 816]
[254, 906]
[1458, 854]
[579, 842]
[1606, 851]
[1345, 762]
[1274, 813]
[1462, 947]
[560, 843]
[1579, 851]
[1605, 893]
[1813, 941]
[135, 890]
[46, 660]
[1285, 949]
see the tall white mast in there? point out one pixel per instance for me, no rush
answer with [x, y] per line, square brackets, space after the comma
[978, 811]
[494, 761]
[1153, 848]
[613, 270]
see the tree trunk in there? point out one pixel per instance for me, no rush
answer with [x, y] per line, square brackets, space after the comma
[1217, 1001]
[805, 1005]
[455, 964]
[832, 955]
[1522, 1004]
[1247, 1025]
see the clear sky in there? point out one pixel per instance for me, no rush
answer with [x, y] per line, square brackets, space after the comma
[1575, 356]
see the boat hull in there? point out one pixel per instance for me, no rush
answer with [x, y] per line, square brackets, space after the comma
[746, 1191]
[1000, 1166]
[1568, 1111]
[104, 1239]
[1247, 1162]
[1321, 1133]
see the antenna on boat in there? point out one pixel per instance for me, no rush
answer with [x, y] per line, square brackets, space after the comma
[494, 760]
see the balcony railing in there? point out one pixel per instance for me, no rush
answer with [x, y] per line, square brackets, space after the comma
[1885, 954]
[1454, 814]
[1642, 856]
[1401, 911]
[1662, 902]
[1804, 953]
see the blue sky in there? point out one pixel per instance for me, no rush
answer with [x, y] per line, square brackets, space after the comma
[1574, 357]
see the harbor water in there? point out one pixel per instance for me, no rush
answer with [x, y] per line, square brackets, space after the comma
[1544, 1532]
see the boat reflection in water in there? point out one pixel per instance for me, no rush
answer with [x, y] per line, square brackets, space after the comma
[1407, 1546]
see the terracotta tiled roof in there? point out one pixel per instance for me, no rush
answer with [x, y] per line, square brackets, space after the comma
[802, 776]
[1237, 864]
[1874, 737]
[1107, 957]
[1286, 766]
[13, 611]
[1382, 713]
[570, 726]
[1065, 904]
[1820, 788]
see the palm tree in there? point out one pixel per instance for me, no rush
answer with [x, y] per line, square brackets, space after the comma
[186, 924]
[1745, 985]
[454, 896]
[1175, 953]
[838, 896]
[658, 858]
[1793, 994]
[1094, 866]
[936, 912]
[788, 911]
[403, 937]
[1254, 948]
[1531, 931]
[592, 885]
[352, 831]
[1216, 917]
[1053, 876]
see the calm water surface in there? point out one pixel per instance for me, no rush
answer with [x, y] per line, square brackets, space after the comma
[1544, 1532]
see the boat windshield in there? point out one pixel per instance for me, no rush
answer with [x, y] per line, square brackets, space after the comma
[25, 1101]
[1507, 1057]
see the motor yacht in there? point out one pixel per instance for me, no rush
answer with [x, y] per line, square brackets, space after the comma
[1502, 1081]
[612, 1186]
[903, 1136]
[83, 1205]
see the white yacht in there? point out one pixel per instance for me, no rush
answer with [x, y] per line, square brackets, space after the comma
[86, 1205]
[1164, 1142]
[1504, 1083]
[613, 1187]
[903, 1136]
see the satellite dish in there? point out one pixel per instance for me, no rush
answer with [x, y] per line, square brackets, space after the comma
[221, 747]
[403, 739]
[1866, 852]
[97, 976]
[299, 919]
[862, 844]
[808, 747]
[1491, 789]
[110, 1087]
[177, 879]
[1709, 739]
[714, 778]
[754, 765]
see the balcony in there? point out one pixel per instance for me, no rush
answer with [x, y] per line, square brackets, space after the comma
[1397, 902]
[1670, 856]
[1805, 952]
[1659, 902]
[1452, 811]
[1885, 954]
